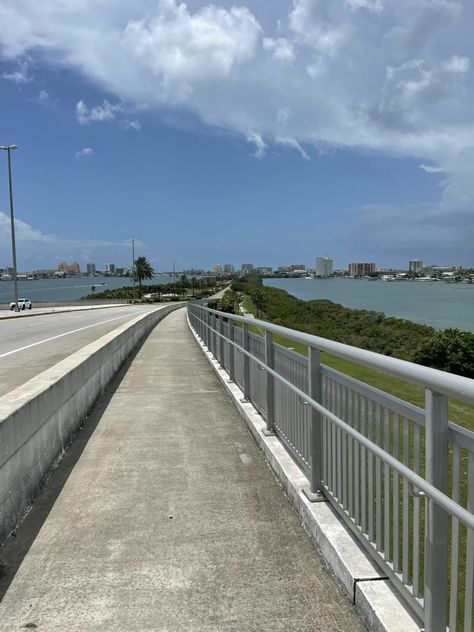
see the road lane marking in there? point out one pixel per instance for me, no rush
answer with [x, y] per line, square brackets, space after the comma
[74, 331]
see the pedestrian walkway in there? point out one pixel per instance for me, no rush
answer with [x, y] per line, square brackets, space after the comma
[172, 521]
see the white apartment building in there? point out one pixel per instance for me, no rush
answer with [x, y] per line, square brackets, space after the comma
[324, 266]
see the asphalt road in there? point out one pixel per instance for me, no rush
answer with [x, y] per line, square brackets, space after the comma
[29, 346]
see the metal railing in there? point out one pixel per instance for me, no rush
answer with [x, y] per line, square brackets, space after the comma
[401, 477]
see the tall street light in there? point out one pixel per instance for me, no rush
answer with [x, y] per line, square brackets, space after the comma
[133, 268]
[9, 149]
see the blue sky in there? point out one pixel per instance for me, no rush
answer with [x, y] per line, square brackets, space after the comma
[270, 133]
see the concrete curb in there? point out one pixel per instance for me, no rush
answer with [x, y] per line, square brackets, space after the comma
[61, 310]
[364, 584]
[38, 419]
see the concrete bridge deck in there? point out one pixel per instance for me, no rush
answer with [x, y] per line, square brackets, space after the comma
[166, 517]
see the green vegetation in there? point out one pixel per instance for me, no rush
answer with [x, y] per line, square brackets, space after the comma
[356, 327]
[361, 328]
[142, 270]
[183, 289]
[450, 350]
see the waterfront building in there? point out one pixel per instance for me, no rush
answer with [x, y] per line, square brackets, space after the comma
[228, 268]
[91, 268]
[217, 268]
[415, 265]
[361, 269]
[264, 270]
[110, 268]
[324, 267]
[71, 269]
[193, 272]
[246, 268]
[297, 267]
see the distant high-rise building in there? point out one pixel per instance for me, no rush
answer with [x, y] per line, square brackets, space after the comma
[217, 268]
[324, 266]
[415, 265]
[228, 268]
[91, 268]
[110, 268]
[247, 268]
[297, 266]
[73, 269]
[361, 269]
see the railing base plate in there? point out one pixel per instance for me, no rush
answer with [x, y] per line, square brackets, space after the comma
[314, 497]
[269, 433]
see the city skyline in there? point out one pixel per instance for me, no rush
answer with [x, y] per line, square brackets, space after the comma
[298, 127]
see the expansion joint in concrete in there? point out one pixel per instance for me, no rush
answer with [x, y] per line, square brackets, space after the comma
[359, 580]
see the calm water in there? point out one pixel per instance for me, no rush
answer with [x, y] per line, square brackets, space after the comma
[437, 304]
[68, 289]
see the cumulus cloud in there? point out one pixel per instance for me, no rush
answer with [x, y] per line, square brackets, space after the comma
[43, 97]
[260, 145]
[49, 246]
[98, 114]
[431, 168]
[293, 144]
[133, 125]
[280, 48]
[20, 75]
[372, 75]
[84, 152]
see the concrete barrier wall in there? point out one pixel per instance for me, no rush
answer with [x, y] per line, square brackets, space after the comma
[38, 419]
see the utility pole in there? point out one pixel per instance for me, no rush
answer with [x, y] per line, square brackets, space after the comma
[133, 269]
[9, 149]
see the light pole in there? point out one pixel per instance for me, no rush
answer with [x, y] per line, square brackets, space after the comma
[9, 149]
[133, 269]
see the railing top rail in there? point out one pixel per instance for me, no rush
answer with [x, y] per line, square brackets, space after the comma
[461, 388]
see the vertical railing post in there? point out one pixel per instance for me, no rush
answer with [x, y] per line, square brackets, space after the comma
[436, 545]
[221, 342]
[314, 493]
[269, 384]
[246, 346]
[208, 329]
[214, 337]
[231, 352]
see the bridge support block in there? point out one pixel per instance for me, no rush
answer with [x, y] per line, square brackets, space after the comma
[268, 433]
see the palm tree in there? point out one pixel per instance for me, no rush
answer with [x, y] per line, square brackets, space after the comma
[142, 270]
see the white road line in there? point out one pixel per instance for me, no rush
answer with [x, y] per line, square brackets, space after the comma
[74, 331]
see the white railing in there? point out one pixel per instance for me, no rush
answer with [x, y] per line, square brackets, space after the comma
[401, 477]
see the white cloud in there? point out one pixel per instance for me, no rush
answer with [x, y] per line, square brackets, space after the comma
[280, 48]
[431, 168]
[374, 6]
[385, 76]
[98, 114]
[20, 76]
[84, 152]
[260, 145]
[184, 51]
[34, 245]
[43, 97]
[293, 144]
[134, 125]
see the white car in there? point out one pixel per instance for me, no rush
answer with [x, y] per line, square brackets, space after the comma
[23, 303]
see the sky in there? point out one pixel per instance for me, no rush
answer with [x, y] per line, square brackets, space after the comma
[238, 132]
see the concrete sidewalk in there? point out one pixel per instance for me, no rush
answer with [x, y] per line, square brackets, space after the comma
[171, 519]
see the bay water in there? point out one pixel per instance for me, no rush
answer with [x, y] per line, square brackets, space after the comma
[438, 304]
[70, 289]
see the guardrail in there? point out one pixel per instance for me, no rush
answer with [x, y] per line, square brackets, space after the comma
[401, 477]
